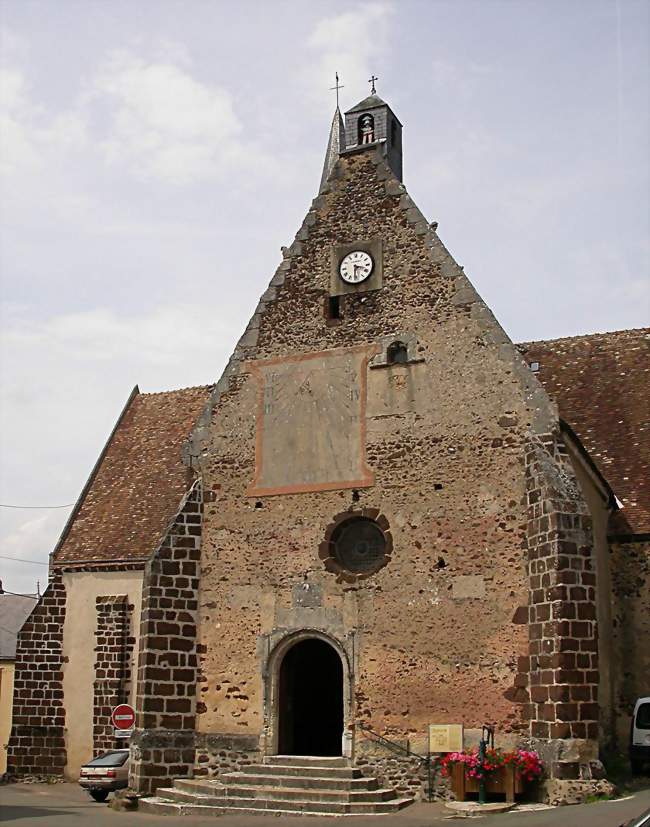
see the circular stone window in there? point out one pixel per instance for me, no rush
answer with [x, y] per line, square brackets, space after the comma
[357, 545]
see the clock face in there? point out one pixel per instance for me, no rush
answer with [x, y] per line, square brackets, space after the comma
[356, 267]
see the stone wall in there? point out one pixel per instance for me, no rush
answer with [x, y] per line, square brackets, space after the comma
[163, 744]
[630, 568]
[218, 754]
[563, 650]
[394, 768]
[37, 743]
[441, 633]
[114, 651]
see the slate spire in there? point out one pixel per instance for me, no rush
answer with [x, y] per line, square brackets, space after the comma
[335, 145]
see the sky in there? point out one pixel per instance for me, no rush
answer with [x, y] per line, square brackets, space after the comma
[156, 155]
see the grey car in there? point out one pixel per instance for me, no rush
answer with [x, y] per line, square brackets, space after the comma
[105, 773]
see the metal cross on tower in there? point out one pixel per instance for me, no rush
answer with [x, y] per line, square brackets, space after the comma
[337, 87]
[372, 80]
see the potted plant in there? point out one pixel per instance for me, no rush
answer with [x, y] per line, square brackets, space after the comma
[505, 772]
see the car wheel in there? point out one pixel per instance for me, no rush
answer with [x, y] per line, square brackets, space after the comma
[99, 795]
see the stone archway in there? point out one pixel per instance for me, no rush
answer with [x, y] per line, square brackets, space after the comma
[310, 700]
[309, 697]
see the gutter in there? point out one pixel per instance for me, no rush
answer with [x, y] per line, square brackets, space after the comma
[610, 497]
[69, 565]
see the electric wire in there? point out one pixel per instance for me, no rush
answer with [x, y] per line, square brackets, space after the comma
[23, 560]
[46, 507]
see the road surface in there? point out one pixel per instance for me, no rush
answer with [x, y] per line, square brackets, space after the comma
[67, 805]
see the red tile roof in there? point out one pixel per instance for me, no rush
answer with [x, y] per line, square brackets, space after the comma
[600, 383]
[138, 482]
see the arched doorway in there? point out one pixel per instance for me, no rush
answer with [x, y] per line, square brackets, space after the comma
[310, 700]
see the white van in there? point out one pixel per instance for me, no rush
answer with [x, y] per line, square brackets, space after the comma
[640, 735]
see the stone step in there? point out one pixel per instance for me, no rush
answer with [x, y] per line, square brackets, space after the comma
[301, 769]
[261, 779]
[277, 802]
[162, 805]
[280, 785]
[311, 794]
[218, 793]
[307, 760]
[199, 786]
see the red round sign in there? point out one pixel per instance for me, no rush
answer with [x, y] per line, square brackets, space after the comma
[123, 717]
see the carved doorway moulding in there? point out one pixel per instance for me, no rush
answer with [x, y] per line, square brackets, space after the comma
[277, 650]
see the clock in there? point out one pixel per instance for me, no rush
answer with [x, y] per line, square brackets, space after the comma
[356, 267]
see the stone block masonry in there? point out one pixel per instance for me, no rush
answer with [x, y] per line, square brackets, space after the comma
[114, 652]
[37, 742]
[163, 745]
[562, 664]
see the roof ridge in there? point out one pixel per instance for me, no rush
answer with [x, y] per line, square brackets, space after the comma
[180, 390]
[597, 334]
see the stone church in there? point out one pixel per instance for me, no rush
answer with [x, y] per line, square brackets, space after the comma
[384, 516]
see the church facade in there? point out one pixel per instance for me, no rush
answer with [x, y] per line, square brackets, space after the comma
[384, 516]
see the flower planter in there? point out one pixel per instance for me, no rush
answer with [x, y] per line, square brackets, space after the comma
[503, 780]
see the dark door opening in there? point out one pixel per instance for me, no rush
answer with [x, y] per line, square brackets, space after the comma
[310, 700]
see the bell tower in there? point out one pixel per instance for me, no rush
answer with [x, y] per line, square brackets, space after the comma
[373, 122]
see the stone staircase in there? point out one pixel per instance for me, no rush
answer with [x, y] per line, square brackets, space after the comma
[281, 785]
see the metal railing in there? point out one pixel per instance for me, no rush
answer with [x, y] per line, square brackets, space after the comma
[396, 747]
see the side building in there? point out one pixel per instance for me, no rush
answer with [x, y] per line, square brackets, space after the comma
[601, 383]
[77, 653]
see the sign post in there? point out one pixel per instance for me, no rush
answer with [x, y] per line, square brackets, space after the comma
[123, 718]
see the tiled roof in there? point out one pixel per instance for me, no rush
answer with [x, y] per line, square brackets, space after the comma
[14, 611]
[138, 482]
[601, 385]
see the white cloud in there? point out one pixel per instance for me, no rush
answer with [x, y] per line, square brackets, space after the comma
[31, 538]
[17, 147]
[165, 123]
[64, 383]
[100, 335]
[348, 43]
[68, 131]
[148, 115]
[28, 134]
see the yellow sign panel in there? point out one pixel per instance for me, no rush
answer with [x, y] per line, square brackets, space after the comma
[445, 737]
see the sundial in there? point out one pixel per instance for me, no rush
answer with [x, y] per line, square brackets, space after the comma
[310, 422]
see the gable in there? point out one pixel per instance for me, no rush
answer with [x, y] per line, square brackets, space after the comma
[422, 291]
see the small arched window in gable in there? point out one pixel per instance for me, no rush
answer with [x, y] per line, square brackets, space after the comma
[366, 129]
[397, 354]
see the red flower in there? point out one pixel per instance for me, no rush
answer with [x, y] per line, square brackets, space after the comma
[527, 764]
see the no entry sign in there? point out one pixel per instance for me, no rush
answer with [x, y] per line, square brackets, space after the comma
[123, 717]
